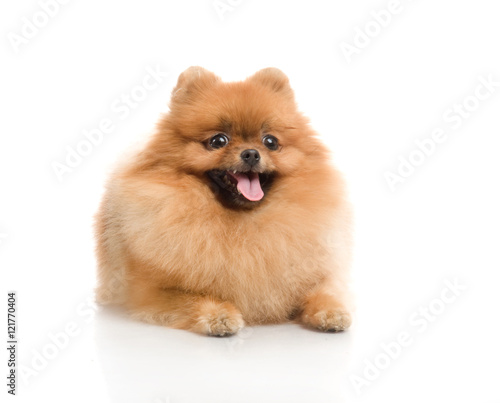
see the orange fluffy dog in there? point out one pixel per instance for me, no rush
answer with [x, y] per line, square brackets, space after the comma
[230, 215]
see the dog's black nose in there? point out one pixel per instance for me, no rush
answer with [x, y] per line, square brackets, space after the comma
[251, 157]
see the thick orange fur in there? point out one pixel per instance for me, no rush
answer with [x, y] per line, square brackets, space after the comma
[174, 255]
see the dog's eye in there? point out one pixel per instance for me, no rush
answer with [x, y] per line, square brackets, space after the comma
[270, 142]
[218, 141]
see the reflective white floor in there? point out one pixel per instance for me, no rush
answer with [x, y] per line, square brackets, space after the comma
[144, 363]
[116, 359]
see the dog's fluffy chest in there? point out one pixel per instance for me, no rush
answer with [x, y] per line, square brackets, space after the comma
[263, 269]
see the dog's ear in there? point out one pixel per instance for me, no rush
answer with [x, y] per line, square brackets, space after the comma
[192, 80]
[273, 78]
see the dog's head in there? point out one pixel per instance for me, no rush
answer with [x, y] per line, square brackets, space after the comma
[239, 138]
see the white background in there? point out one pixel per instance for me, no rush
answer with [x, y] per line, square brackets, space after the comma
[442, 224]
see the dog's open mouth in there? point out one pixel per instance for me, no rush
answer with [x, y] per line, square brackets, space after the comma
[246, 186]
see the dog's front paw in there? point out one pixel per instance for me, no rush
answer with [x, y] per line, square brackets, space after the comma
[325, 312]
[218, 319]
[329, 320]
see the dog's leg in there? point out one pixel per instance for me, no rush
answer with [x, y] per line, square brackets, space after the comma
[325, 308]
[182, 310]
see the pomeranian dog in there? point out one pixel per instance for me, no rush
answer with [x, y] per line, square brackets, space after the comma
[231, 214]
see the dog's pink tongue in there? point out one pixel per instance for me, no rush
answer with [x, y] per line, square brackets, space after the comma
[249, 185]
